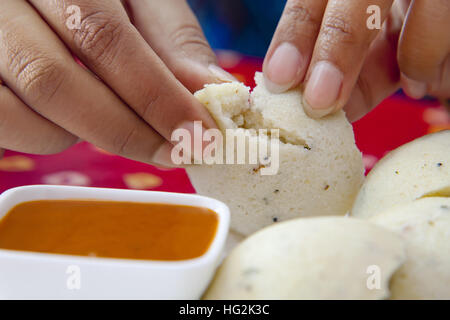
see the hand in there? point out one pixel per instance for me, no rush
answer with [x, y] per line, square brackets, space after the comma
[424, 50]
[326, 46]
[142, 58]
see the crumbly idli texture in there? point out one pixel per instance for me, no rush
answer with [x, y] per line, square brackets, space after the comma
[406, 174]
[320, 172]
[311, 258]
[425, 225]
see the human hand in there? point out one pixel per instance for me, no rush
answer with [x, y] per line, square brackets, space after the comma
[142, 59]
[326, 46]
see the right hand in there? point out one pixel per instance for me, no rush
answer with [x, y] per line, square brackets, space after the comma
[143, 57]
[326, 46]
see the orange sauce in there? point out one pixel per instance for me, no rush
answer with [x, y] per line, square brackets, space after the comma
[127, 230]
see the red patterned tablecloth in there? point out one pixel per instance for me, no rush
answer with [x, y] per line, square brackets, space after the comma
[396, 121]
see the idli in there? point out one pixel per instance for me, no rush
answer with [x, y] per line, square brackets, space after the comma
[311, 258]
[320, 169]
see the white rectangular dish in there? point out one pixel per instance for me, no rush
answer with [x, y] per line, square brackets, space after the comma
[30, 275]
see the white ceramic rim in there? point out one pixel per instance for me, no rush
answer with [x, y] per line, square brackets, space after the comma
[209, 256]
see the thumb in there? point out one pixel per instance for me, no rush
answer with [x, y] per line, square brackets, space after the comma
[173, 32]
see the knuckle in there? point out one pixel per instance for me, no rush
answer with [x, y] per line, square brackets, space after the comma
[189, 38]
[298, 19]
[151, 109]
[297, 11]
[123, 145]
[38, 76]
[338, 29]
[98, 36]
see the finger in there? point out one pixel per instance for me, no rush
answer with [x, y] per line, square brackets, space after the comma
[379, 76]
[413, 88]
[2, 151]
[37, 67]
[111, 46]
[441, 87]
[339, 53]
[424, 45]
[292, 45]
[171, 29]
[424, 42]
[23, 130]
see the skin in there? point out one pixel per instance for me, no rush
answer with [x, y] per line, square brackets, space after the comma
[411, 51]
[142, 61]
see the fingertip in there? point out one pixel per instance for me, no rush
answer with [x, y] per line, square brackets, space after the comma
[323, 87]
[284, 68]
[274, 87]
[194, 75]
[162, 156]
[413, 88]
[316, 113]
[220, 75]
[205, 117]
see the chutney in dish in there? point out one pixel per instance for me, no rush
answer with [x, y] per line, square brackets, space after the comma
[109, 229]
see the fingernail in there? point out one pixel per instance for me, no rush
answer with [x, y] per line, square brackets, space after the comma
[316, 113]
[162, 156]
[323, 87]
[283, 68]
[414, 89]
[220, 74]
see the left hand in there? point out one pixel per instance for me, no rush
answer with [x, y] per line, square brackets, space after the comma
[142, 61]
